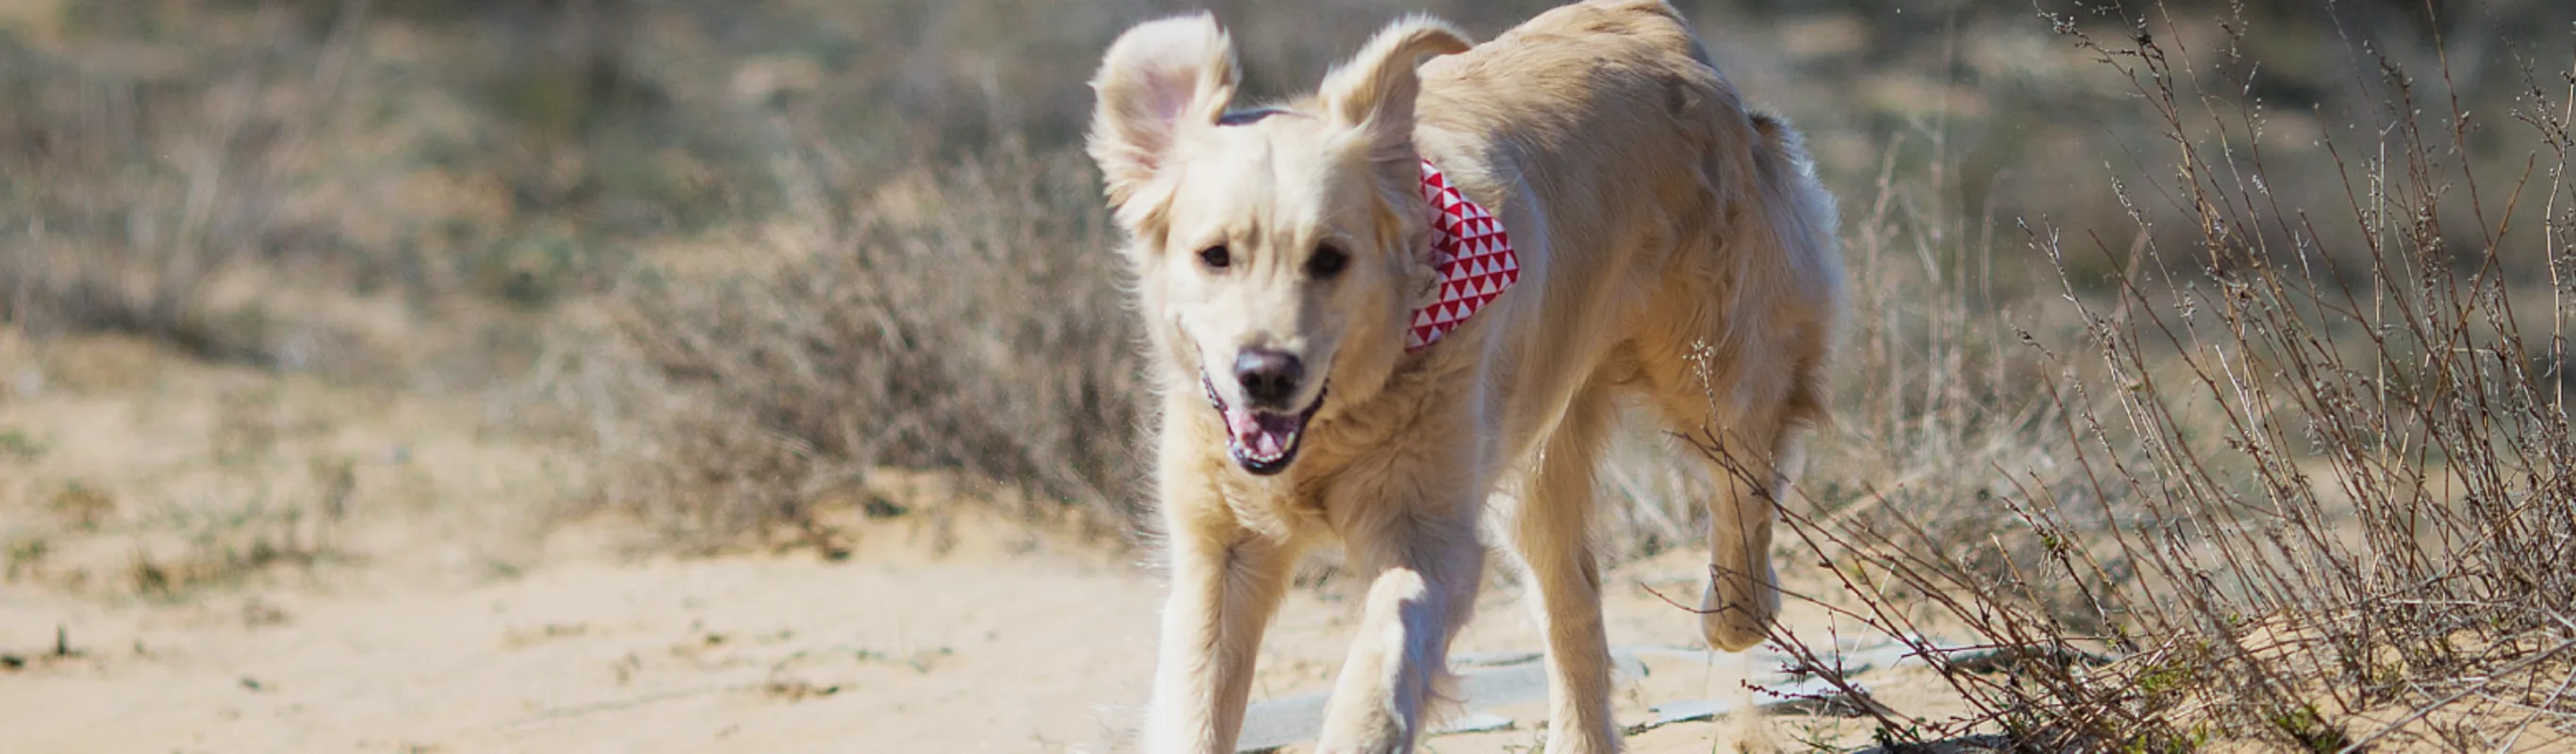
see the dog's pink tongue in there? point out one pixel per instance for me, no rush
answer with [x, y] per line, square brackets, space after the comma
[1269, 444]
[1264, 434]
[1244, 424]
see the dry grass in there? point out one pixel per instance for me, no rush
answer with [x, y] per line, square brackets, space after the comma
[2301, 494]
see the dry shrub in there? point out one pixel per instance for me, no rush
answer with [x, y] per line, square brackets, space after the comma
[373, 191]
[2309, 495]
[965, 319]
[127, 191]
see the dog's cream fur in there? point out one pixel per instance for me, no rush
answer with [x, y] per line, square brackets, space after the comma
[1676, 251]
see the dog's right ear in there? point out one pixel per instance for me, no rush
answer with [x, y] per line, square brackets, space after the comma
[1155, 79]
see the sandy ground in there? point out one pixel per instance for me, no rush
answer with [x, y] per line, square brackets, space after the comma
[432, 615]
[982, 650]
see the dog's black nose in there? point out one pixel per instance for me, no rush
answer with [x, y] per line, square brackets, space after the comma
[1269, 378]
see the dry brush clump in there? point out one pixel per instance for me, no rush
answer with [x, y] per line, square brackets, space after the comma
[2311, 494]
[965, 319]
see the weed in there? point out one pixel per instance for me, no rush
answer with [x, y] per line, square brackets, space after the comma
[26, 556]
[82, 505]
[2302, 724]
[16, 444]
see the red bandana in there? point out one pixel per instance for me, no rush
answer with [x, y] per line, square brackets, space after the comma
[1474, 258]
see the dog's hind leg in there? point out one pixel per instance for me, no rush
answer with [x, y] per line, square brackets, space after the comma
[1736, 350]
[1743, 593]
[1554, 542]
[1739, 420]
[1226, 582]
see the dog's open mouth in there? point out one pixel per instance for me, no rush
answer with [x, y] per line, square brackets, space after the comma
[1263, 442]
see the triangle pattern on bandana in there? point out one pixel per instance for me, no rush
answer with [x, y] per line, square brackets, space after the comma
[1473, 255]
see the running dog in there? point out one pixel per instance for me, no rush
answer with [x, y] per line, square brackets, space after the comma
[1444, 272]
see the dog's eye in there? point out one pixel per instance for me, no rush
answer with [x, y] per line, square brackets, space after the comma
[1327, 261]
[1215, 257]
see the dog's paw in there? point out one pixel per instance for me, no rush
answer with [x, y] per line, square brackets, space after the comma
[1736, 613]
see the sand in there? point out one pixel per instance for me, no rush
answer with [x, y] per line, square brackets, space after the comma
[446, 608]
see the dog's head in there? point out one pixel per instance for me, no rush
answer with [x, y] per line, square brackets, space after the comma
[1278, 251]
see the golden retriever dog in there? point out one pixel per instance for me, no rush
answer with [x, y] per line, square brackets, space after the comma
[1673, 250]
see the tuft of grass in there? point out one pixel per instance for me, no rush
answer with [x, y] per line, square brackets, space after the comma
[224, 548]
[26, 554]
[16, 444]
[81, 505]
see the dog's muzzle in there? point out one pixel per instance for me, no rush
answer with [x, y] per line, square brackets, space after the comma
[1262, 442]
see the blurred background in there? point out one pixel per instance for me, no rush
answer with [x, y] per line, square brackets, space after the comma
[761, 247]
[412, 286]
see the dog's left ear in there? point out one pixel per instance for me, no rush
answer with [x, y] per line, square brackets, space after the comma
[1374, 93]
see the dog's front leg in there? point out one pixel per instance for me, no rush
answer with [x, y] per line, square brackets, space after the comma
[1226, 582]
[1427, 563]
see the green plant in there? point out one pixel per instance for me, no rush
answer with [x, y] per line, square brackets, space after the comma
[17, 444]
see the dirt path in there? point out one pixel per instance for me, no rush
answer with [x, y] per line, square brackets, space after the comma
[1002, 646]
[737, 653]
[236, 561]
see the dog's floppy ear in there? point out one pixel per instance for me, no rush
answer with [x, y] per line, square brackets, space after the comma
[1375, 91]
[1156, 78]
